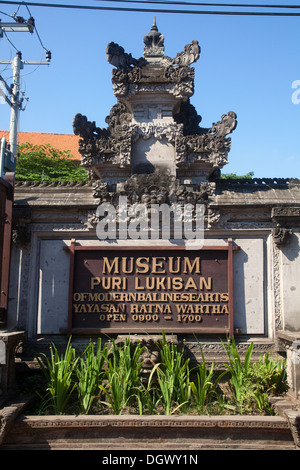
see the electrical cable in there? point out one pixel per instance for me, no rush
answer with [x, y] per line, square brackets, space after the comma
[239, 5]
[153, 10]
[39, 38]
[10, 42]
[35, 29]
[6, 14]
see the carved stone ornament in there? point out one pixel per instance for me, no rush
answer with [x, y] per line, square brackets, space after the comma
[21, 234]
[176, 80]
[208, 144]
[190, 54]
[281, 235]
[154, 106]
[286, 212]
[153, 191]
[154, 42]
[117, 57]
[99, 146]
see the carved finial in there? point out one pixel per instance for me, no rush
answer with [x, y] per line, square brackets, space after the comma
[116, 56]
[154, 42]
[190, 54]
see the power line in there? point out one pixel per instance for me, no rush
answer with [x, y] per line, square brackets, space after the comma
[239, 5]
[32, 22]
[155, 10]
[6, 14]
[10, 42]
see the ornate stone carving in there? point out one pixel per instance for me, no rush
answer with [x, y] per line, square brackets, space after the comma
[154, 77]
[190, 54]
[225, 126]
[21, 234]
[277, 288]
[99, 146]
[189, 118]
[146, 130]
[286, 212]
[157, 188]
[117, 57]
[154, 42]
[281, 235]
[183, 77]
[86, 129]
[210, 144]
[213, 217]
[131, 80]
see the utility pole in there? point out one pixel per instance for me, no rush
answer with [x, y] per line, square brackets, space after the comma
[15, 102]
[15, 107]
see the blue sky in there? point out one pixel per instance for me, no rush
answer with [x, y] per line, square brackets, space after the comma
[247, 65]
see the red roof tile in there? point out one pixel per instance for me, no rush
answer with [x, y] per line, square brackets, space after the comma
[58, 141]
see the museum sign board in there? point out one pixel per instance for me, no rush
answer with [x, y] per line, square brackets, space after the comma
[143, 290]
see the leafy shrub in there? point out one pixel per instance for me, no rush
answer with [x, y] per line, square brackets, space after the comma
[89, 373]
[269, 374]
[111, 378]
[59, 371]
[122, 375]
[45, 163]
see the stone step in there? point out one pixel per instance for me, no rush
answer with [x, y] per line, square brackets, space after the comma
[127, 432]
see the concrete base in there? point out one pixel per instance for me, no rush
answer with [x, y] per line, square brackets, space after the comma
[150, 432]
[9, 341]
[289, 342]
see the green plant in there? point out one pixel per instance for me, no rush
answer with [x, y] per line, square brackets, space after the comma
[46, 163]
[172, 376]
[204, 389]
[122, 375]
[248, 175]
[244, 386]
[238, 370]
[148, 397]
[262, 400]
[59, 372]
[270, 374]
[89, 372]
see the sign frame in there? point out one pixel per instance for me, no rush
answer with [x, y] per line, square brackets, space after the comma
[70, 330]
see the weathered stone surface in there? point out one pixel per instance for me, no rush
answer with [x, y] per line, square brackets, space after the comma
[153, 124]
[150, 432]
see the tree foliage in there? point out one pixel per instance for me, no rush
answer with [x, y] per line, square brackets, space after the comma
[46, 163]
[235, 176]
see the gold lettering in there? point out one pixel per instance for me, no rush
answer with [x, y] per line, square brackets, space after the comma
[225, 309]
[95, 281]
[205, 283]
[158, 264]
[136, 283]
[109, 267]
[150, 308]
[160, 281]
[124, 267]
[76, 307]
[224, 297]
[143, 265]
[171, 266]
[115, 317]
[189, 267]
[215, 309]
[150, 283]
[190, 284]
[177, 283]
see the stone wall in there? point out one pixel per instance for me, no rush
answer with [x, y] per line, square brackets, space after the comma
[155, 151]
[48, 216]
